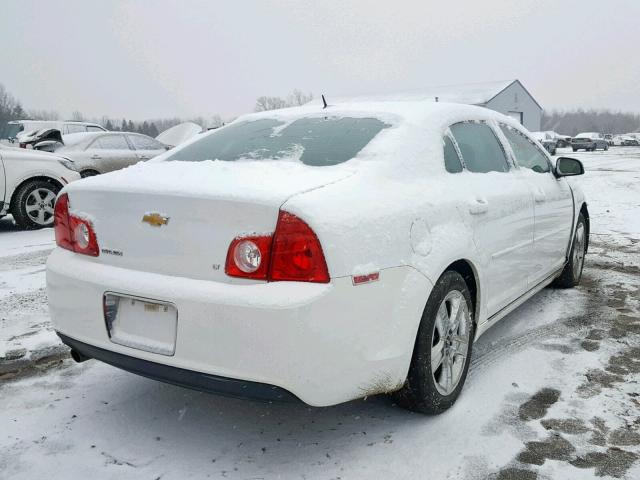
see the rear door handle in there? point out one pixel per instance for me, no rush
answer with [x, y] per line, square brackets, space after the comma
[144, 157]
[96, 157]
[540, 197]
[478, 206]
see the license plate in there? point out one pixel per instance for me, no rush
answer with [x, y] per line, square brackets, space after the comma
[139, 323]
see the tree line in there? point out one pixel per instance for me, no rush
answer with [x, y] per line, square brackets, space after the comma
[572, 122]
[11, 109]
[568, 122]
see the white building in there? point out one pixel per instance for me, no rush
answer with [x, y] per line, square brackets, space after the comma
[508, 97]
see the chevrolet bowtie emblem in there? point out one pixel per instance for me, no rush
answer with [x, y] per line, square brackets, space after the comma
[155, 219]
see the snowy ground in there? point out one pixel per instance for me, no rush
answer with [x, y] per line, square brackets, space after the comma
[553, 390]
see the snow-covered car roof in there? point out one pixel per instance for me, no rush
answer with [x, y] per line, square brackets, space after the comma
[412, 134]
[588, 135]
[179, 133]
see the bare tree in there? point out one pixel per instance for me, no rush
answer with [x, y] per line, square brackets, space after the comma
[297, 97]
[575, 121]
[43, 115]
[269, 103]
[77, 116]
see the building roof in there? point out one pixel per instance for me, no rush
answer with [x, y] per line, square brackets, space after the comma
[469, 93]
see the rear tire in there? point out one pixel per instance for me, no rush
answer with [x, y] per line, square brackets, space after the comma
[33, 204]
[442, 351]
[572, 272]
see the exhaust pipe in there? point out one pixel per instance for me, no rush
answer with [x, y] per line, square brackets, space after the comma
[79, 357]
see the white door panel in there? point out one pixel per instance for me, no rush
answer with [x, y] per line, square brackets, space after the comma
[553, 222]
[503, 234]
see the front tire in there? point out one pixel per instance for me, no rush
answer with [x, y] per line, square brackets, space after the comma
[33, 204]
[442, 351]
[572, 272]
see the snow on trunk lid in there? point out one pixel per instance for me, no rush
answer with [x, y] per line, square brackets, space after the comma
[179, 218]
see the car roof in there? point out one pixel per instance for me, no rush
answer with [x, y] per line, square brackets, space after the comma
[400, 111]
[36, 123]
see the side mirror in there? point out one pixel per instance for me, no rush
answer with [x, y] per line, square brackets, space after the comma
[568, 167]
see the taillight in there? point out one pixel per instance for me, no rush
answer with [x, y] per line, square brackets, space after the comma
[72, 232]
[293, 253]
[296, 253]
[61, 222]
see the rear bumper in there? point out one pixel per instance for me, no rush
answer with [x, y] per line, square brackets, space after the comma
[324, 343]
[184, 378]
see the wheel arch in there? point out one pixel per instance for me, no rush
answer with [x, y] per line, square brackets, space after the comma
[469, 273]
[43, 178]
[585, 213]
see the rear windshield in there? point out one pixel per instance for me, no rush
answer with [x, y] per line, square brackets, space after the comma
[312, 141]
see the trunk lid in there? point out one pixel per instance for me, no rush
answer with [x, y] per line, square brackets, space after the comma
[178, 218]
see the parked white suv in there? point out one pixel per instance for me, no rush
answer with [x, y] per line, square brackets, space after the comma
[29, 183]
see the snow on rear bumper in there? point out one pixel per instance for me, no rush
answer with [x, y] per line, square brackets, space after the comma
[324, 343]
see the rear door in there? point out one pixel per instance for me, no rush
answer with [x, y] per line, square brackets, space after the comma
[501, 209]
[111, 152]
[146, 147]
[553, 202]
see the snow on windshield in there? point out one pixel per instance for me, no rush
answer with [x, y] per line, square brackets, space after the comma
[315, 141]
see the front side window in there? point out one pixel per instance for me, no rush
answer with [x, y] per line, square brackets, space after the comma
[481, 151]
[526, 153]
[111, 142]
[140, 142]
[451, 159]
[315, 141]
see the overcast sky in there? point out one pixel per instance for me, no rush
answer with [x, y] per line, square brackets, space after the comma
[147, 59]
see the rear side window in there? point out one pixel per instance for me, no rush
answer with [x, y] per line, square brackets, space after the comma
[526, 153]
[451, 159]
[140, 142]
[481, 151]
[93, 128]
[110, 142]
[315, 141]
[73, 128]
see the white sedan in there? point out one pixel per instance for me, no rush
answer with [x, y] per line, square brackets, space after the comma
[319, 254]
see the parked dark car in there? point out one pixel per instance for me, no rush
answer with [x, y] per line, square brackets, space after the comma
[549, 143]
[589, 141]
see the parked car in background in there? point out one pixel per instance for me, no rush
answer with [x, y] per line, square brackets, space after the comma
[563, 141]
[547, 140]
[625, 141]
[609, 138]
[95, 153]
[25, 132]
[323, 249]
[635, 137]
[29, 183]
[590, 141]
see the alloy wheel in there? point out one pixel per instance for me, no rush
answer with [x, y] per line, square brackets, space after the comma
[578, 251]
[39, 206]
[450, 342]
